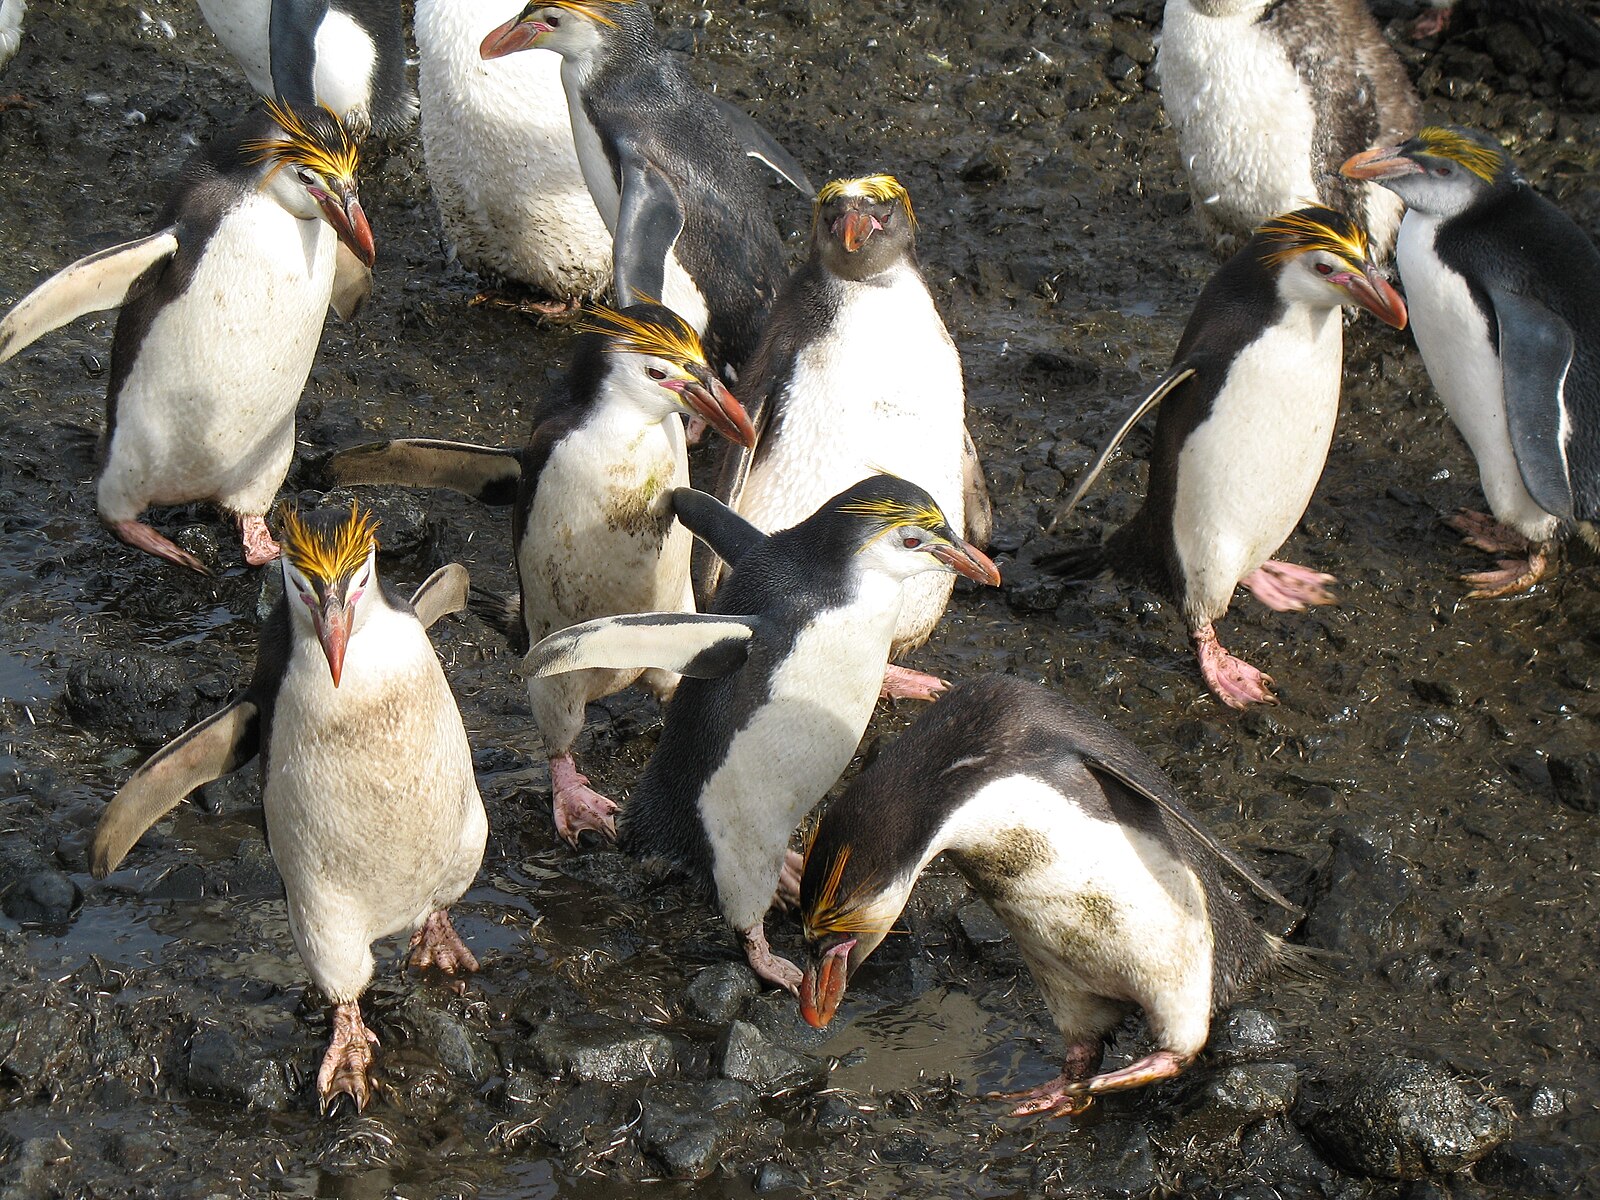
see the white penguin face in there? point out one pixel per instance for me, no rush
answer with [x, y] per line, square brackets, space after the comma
[1442, 189]
[909, 550]
[331, 611]
[570, 34]
[1322, 279]
[1229, 8]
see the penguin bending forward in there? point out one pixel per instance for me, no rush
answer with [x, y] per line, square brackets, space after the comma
[373, 815]
[222, 312]
[856, 373]
[1112, 890]
[1504, 291]
[1247, 415]
[780, 679]
[593, 532]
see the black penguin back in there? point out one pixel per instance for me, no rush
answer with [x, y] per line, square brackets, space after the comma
[394, 103]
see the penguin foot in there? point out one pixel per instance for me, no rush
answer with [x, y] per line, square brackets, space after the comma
[1232, 680]
[576, 805]
[1285, 587]
[142, 537]
[256, 538]
[528, 306]
[779, 972]
[437, 944]
[1063, 1096]
[1482, 532]
[902, 683]
[347, 1065]
[788, 894]
[1515, 575]
[1153, 1068]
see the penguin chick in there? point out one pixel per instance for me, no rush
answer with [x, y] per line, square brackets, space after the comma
[1267, 98]
[856, 324]
[1247, 415]
[668, 168]
[222, 312]
[1504, 291]
[780, 679]
[593, 533]
[1106, 880]
[373, 815]
[497, 142]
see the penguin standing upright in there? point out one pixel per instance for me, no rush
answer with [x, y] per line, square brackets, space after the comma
[222, 311]
[1504, 293]
[668, 167]
[497, 141]
[780, 679]
[373, 814]
[856, 373]
[1268, 97]
[1109, 885]
[593, 533]
[1247, 415]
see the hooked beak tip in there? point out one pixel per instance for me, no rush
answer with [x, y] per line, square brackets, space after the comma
[507, 39]
[969, 561]
[1378, 164]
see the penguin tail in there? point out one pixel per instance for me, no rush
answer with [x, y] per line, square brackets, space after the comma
[1309, 963]
[503, 613]
[1076, 562]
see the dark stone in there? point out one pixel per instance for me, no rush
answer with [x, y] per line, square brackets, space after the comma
[1360, 888]
[591, 1047]
[777, 1016]
[683, 1125]
[546, 996]
[1117, 1159]
[45, 897]
[981, 927]
[448, 1039]
[223, 1067]
[1530, 1169]
[989, 165]
[1243, 1034]
[1576, 779]
[589, 1113]
[185, 882]
[1443, 692]
[523, 1091]
[719, 992]
[358, 1145]
[1238, 1096]
[774, 1177]
[747, 1056]
[143, 696]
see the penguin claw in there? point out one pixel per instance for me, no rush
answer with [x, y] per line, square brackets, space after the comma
[576, 805]
[256, 538]
[142, 537]
[1232, 680]
[1482, 532]
[437, 944]
[902, 683]
[1515, 575]
[347, 1065]
[779, 972]
[1287, 587]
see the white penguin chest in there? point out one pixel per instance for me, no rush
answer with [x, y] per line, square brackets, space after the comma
[346, 57]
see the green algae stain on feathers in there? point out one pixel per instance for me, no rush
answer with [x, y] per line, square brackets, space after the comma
[641, 509]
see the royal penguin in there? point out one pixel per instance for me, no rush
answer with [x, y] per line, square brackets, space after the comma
[593, 532]
[1246, 417]
[779, 681]
[669, 167]
[349, 55]
[856, 373]
[1115, 895]
[1504, 292]
[497, 141]
[373, 815]
[1268, 97]
[11, 14]
[222, 312]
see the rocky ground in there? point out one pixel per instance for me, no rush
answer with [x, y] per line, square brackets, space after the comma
[1428, 788]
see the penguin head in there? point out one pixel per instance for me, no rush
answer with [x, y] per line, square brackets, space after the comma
[1320, 258]
[653, 360]
[896, 528]
[311, 172]
[1442, 171]
[862, 227]
[850, 898]
[330, 576]
[574, 29]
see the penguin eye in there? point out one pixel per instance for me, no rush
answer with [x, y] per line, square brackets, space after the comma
[305, 177]
[552, 20]
[911, 543]
[1442, 172]
[1324, 269]
[656, 373]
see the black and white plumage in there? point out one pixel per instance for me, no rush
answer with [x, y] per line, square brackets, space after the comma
[222, 312]
[1268, 97]
[1112, 890]
[349, 55]
[11, 14]
[593, 530]
[1247, 415]
[669, 167]
[780, 679]
[1504, 291]
[373, 814]
[856, 373]
[497, 141]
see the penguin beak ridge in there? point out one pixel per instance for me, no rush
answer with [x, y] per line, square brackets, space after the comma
[1378, 164]
[717, 405]
[349, 221]
[854, 228]
[333, 631]
[822, 987]
[969, 561]
[516, 34]
[1377, 295]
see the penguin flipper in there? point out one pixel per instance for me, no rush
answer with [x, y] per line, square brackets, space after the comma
[715, 524]
[485, 473]
[352, 284]
[107, 279]
[975, 495]
[1536, 349]
[760, 145]
[442, 593]
[649, 221]
[223, 742]
[292, 40]
[695, 644]
[1162, 391]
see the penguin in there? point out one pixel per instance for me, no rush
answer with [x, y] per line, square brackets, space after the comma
[593, 533]
[1504, 292]
[497, 142]
[780, 678]
[349, 55]
[373, 814]
[1568, 26]
[1268, 97]
[1247, 415]
[668, 167]
[856, 321]
[11, 14]
[1114, 892]
[222, 312]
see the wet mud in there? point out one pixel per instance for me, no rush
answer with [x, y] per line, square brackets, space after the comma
[1428, 788]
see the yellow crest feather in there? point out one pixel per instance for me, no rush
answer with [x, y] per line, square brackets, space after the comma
[332, 554]
[880, 189]
[829, 914]
[670, 337]
[1296, 233]
[323, 145]
[594, 10]
[895, 514]
[1485, 162]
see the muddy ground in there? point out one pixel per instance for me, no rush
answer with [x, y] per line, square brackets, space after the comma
[1428, 787]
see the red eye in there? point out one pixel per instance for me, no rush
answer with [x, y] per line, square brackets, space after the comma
[1441, 172]
[911, 543]
[656, 373]
[1324, 269]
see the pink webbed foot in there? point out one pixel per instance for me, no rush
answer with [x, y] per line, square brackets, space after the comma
[577, 806]
[1515, 575]
[549, 308]
[902, 683]
[788, 894]
[779, 972]
[1153, 1068]
[1431, 23]
[256, 538]
[347, 1065]
[1063, 1096]
[437, 944]
[1482, 532]
[1285, 587]
[142, 537]
[1232, 680]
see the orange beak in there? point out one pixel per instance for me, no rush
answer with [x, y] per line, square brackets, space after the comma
[333, 631]
[1379, 163]
[1375, 294]
[822, 987]
[718, 407]
[854, 228]
[516, 34]
[349, 221]
[969, 561]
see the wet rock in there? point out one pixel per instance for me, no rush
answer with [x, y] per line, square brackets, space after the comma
[142, 696]
[1406, 1120]
[1575, 775]
[1243, 1034]
[222, 1067]
[982, 929]
[989, 165]
[523, 1091]
[718, 992]
[684, 1125]
[1238, 1096]
[359, 1144]
[1527, 1168]
[591, 1047]
[591, 1113]
[46, 897]
[445, 1036]
[772, 1178]
[186, 882]
[778, 1018]
[1361, 887]
[1117, 1160]
[545, 997]
[746, 1055]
